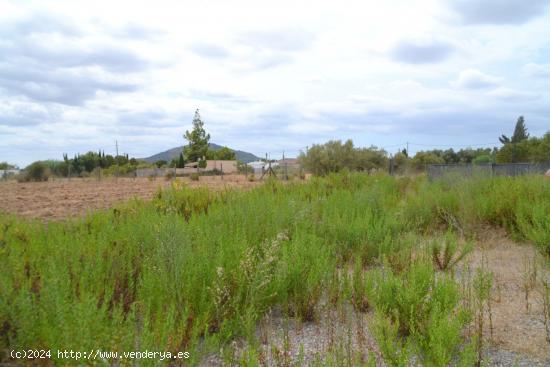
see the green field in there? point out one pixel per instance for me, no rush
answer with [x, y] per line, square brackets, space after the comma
[192, 270]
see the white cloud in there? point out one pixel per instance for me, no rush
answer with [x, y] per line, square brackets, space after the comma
[512, 95]
[536, 70]
[421, 52]
[498, 11]
[475, 79]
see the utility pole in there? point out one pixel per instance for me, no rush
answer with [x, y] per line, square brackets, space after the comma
[116, 158]
[286, 172]
[407, 149]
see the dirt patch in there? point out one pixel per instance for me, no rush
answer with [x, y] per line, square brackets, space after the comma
[518, 321]
[340, 333]
[63, 198]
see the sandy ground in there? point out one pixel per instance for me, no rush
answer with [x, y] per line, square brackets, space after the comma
[62, 198]
[518, 322]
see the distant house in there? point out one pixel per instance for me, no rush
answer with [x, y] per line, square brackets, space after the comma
[260, 166]
[5, 173]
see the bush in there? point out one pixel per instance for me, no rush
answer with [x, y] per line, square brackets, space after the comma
[483, 159]
[194, 176]
[334, 156]
[420, 312]
[169, 175]
[36, 171]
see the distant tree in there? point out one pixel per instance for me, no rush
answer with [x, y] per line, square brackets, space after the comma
[400, 160]
[366, 159]
[534, 150]
[181, 162]
[421, 159]
[6, 165]
[335, 156]
[160, 163]
[223, 154]
[37, 171]
[198, 140]
[483, 159]
[520, 133]
[450, 156]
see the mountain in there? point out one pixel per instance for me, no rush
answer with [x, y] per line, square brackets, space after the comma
[175, 152]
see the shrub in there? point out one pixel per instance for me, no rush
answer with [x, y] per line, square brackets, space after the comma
[421, 312]
[169, 175]
[194, 176]
[446, 252]
[36, 171]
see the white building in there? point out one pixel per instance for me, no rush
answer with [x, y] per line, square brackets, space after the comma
[5, 173]
[260, 166]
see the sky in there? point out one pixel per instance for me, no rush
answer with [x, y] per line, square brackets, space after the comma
[269, 76]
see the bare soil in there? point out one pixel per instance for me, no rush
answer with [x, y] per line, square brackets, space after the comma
[516, 301]
[63, 198]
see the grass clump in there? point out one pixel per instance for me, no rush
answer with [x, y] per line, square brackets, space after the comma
[447, 253]
[419, 313]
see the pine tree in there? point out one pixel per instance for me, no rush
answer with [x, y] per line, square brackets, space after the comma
[198, 140]
[520, 133]
[181, 162]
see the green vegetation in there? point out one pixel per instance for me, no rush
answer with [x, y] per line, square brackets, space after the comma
[37, 171]
[334, 156]
[193, 269]
[198, 141]
[6, 165]
[520, 133]
[222, 154]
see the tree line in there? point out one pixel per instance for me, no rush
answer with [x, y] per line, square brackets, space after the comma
[335, 156]
[320, 159]
[197, 150]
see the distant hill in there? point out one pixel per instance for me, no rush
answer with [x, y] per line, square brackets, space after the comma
[175, 152]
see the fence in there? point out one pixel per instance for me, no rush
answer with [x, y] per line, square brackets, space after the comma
[8, 173]
[486, 170]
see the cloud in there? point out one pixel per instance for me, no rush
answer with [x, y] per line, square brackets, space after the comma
[536, 70]
[268, 61]
[220, 97]
[70, 87]
[66, 54]
[133, 31]
[287, 40]
[209, 51]
[19, 113]
[40, 23]
[49, 59]
[511, 95]
[421, 52]
[268, 49]
[498, 11]
[475, 79]
[309, 127]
